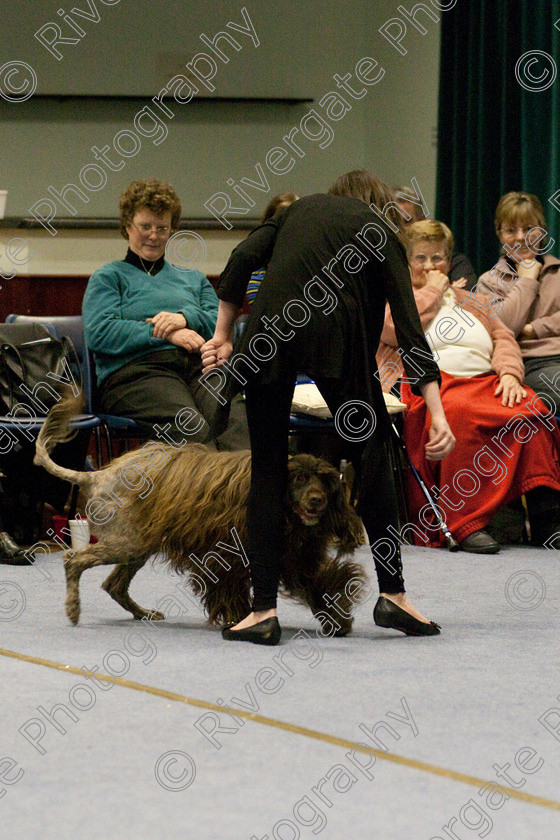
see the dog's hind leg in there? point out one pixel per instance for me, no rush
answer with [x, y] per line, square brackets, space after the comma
[95, 554]
[116, 585]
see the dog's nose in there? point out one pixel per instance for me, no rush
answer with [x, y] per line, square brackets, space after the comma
[316, 499]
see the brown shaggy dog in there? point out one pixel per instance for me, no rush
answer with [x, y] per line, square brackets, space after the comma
[189, 503]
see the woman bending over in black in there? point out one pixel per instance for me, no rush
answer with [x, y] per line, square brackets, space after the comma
[331, 266]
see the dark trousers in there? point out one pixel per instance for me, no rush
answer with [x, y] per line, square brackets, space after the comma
[163, 388]
[268, 414]
[542, 374]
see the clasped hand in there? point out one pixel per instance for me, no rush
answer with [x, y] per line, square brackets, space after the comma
[439, 280]
[215, 352]
[528, 268]
[164, 323]
[187, 339]
[441, 439]
[173, 327]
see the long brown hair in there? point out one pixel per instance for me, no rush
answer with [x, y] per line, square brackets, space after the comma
[368, 188]
[273, 205]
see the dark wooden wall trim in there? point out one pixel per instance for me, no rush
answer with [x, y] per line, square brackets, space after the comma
[84, 223]
[53, 294]
[42, 295]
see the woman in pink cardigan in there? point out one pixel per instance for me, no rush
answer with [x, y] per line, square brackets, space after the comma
[524, 286]
[507, 442]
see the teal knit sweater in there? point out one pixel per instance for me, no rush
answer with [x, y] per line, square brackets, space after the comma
[118, 299]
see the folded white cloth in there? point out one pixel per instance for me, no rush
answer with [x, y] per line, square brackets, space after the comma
[393, 404]
[308, 400]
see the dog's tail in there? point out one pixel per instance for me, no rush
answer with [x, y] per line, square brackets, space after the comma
[57, 429]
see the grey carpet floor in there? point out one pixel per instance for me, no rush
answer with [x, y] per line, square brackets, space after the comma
[464, 728]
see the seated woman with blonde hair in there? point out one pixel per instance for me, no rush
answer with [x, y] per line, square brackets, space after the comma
[507, 445]
[524, 286]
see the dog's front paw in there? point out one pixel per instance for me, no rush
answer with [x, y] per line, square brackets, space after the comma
[333, 625]
[149, 615]
[345, 626]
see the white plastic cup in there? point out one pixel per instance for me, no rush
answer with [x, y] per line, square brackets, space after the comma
[3, 197]
[79, 533]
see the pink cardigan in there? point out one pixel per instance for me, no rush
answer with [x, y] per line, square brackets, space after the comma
[506, 355]
[522, 300]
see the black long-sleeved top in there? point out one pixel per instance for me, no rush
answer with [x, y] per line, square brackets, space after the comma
[461, 267]
[322, 275]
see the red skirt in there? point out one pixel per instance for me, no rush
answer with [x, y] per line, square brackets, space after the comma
[500, 454]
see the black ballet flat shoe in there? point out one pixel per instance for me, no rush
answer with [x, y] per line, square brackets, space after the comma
[480, 543]
[266, 632]
[388, 614]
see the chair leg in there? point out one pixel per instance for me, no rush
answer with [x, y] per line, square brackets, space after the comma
[73, 501]
[527, 528]
[98, 447]
[108, 441]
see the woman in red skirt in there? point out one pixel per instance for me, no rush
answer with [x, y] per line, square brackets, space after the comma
[508, 443]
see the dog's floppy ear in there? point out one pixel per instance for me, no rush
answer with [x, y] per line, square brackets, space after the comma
[342, 521]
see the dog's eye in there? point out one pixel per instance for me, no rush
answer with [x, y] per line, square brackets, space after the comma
[300, 478]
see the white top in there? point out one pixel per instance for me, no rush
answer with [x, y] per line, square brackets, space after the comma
[462, 350]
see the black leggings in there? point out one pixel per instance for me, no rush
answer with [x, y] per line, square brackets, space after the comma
[268, 415]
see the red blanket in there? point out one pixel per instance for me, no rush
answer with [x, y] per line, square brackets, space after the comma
[500, 454]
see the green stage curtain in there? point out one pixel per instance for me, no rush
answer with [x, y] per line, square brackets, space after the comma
[498, 122]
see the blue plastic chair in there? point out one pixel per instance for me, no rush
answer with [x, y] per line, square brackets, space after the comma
[299, 423]
[114, 425]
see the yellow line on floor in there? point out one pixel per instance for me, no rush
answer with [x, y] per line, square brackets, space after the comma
[288, 727]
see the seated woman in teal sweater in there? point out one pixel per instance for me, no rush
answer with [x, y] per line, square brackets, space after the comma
[145, 321]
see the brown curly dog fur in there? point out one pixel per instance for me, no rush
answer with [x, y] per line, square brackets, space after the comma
[189, 504]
